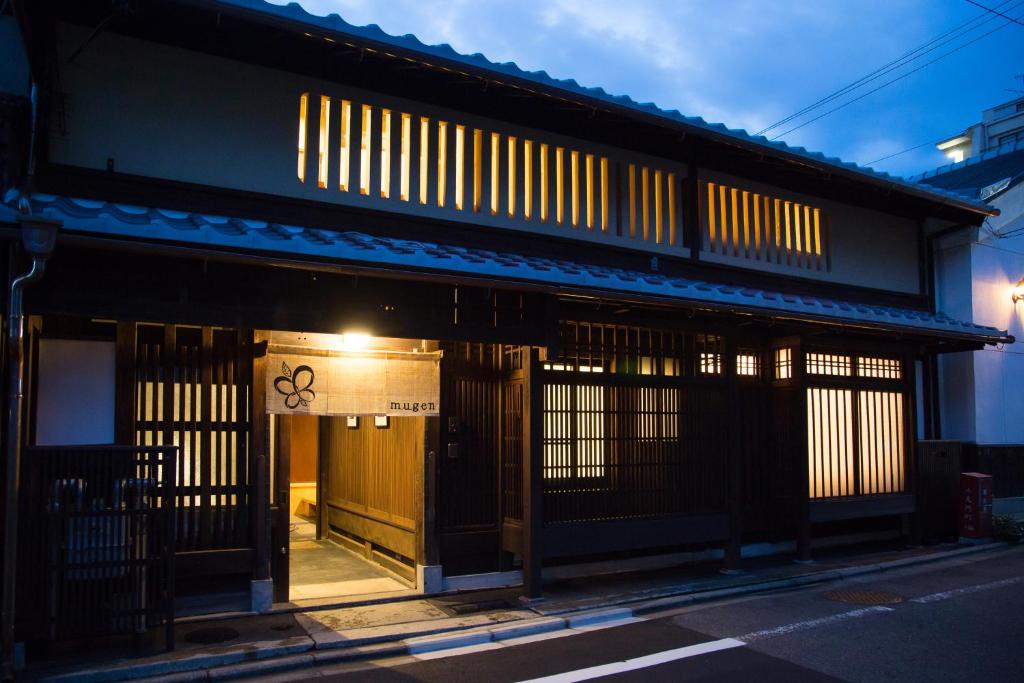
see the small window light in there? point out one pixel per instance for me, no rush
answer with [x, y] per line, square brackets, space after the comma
[1018, 291]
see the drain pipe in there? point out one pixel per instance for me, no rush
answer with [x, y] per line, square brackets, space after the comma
[38, 236]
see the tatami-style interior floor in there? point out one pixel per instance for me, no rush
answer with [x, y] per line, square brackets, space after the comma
[321, 569]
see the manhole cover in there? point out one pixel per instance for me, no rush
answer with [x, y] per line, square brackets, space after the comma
[861, 597]
[211, 636]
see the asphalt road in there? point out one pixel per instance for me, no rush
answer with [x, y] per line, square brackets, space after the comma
[955, 621]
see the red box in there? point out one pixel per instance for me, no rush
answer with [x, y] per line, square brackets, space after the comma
[975, 505]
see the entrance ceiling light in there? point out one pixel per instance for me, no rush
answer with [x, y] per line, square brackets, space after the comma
[355, 341]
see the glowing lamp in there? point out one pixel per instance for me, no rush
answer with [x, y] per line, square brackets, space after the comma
[354, 341]
[1018, 291]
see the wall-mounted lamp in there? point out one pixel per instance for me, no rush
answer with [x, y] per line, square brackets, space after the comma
[1018, 291]
[354, 341]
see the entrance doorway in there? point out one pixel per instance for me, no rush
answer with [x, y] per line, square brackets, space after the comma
[352, 503]
[348, 489]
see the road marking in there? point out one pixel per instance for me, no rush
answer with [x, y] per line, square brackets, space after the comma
[813, 623]
[639, 662]
[945, 595]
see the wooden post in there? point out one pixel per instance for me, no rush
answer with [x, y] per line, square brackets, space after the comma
[803, 542]
[124, 386]
[733, 461]
[911, 480]
[533, 484]
[258, 449]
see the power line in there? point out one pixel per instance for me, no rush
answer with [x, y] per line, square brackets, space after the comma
[904, 151]
[888, 83]
[897, 63]
[993, 11]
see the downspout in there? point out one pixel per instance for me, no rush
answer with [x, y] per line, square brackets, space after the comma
[38, 237]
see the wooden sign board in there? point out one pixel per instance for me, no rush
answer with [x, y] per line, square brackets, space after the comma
[354, 383]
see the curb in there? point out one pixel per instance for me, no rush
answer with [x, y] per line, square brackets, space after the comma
[250, 661]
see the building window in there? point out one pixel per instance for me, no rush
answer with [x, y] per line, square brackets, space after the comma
[878, 368]
[748, 364]
[750, 225]
[574, 438]
[783, 363]
[848, 457]
[828, 364]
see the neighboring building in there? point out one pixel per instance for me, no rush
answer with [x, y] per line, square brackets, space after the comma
[999, 127]
[655, 334]
[978, 274]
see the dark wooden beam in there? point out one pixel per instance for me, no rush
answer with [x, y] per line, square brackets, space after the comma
[533, 483]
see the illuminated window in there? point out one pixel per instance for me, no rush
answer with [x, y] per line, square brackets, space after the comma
[323, 156]
[817, 235]
[734, 219]
[303, 135]
[828, 364]
[559, 185]
[478, 170]
[528, 179]
[385, 153]
[708, 349]
[710, 363]
[671, 208]
[364, 149]
[460, 166]
[830, 447]
[403, 183]
[442, 162]
[746, 223]
[495, 173]
[712, 221]
[346, 145]
[748, 364]
[604, 194]
[645, 202]
[879, 368]
[862, 456]
[798, 232]
[544, 182]
[658, 237]
[783, 363]
[424, 158]
[511, 176]
[757, 224]
[573, 433]
[880, 442]
[787, 224]
[723, 224]
[590, 190]
[574, 167]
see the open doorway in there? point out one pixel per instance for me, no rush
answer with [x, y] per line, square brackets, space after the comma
[349, 489]
[353, 499]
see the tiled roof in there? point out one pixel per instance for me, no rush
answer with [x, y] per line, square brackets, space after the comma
[353, 247]
[338, 27]
[974, 173]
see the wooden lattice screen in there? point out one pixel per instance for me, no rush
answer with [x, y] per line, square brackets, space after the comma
[192, 390]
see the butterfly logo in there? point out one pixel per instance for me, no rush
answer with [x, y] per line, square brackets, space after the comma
[295, 386]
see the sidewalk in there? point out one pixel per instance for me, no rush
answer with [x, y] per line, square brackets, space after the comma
[220, 649]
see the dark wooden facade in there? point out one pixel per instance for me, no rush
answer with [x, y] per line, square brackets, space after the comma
[573, 424]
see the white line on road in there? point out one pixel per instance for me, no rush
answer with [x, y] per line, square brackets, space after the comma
[639, 662]
[813, 623]
[945, 595]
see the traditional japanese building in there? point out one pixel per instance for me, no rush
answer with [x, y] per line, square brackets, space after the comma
[407, 316]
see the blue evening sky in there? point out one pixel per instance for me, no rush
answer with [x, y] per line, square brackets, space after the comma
[746, 63]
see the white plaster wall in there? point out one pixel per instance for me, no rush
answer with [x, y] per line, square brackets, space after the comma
[998, 264]
[75, 400]
[976, 273]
